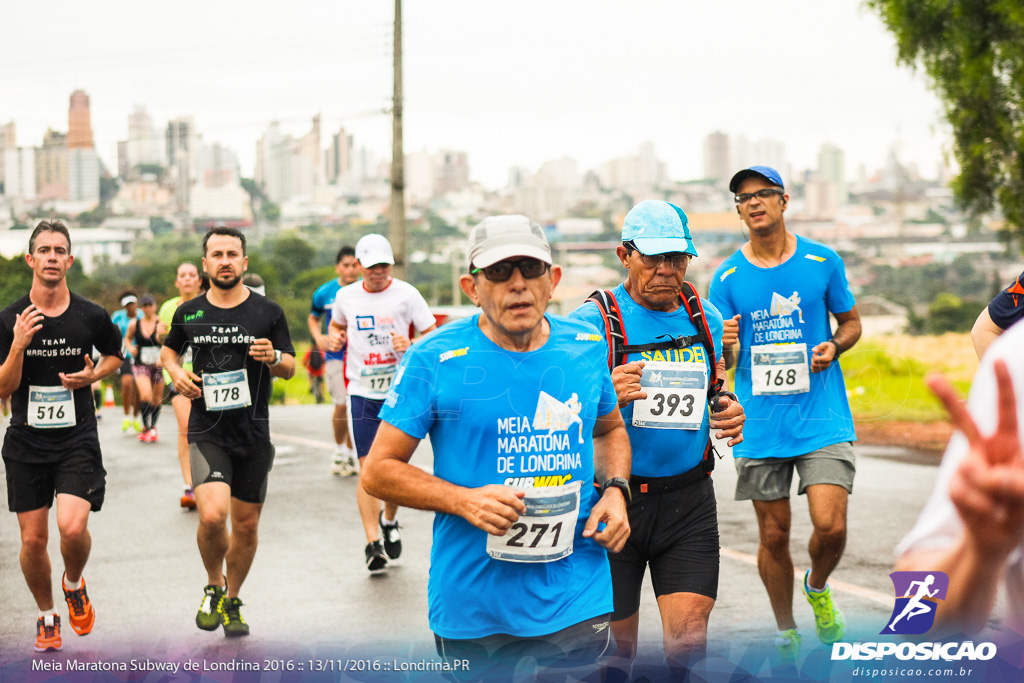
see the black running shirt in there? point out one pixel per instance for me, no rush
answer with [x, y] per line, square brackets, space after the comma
[220, 340]
[60, 346]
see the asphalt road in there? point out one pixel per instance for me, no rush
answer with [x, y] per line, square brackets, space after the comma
[309, 596]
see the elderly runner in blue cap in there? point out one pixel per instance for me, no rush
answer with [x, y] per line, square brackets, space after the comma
[664, 348]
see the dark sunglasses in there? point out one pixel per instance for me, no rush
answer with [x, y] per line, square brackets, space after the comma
[501, 271]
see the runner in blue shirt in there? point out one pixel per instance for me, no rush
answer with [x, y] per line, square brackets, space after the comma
[776, 294]
[343, 462]
[663, 395]
[522, 417]
[129, 400]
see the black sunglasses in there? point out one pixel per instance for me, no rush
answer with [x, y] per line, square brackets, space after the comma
[501, 271]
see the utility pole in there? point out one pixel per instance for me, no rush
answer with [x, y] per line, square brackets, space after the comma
[397, 232]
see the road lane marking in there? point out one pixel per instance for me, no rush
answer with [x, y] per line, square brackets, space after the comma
[842, 586]
[312, 443]
[323, 445]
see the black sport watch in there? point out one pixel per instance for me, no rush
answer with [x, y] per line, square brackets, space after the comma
[620, 483]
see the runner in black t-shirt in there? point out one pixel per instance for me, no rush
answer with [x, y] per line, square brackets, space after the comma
[239, 339]
[51, 446]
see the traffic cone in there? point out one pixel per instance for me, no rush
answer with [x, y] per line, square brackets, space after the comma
[108, 399]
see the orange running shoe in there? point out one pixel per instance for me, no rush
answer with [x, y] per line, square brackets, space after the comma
[48, 634]
[188, 499]
[80, 611]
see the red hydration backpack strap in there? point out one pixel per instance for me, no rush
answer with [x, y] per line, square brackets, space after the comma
[695, 309]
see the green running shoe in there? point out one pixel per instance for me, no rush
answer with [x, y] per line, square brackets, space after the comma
[234, 624]
[209, 615]
[787, 645]
[828, 620]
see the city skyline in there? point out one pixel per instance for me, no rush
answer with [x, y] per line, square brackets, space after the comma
[591, 81]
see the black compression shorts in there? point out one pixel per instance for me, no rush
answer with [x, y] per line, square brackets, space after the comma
[676, 533]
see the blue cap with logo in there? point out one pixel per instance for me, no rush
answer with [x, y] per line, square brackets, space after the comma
[766, 172]
[658, 227]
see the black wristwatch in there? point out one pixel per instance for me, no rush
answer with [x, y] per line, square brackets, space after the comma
[620, 483]
[838, 350]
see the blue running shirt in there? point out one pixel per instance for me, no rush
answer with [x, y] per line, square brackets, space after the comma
[661, 452]
[787, 305]
[503, 417]
[323, 302]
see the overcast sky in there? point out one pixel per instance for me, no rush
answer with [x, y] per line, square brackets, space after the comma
[510, 83]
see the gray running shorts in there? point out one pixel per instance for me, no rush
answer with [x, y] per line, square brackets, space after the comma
[772, 478]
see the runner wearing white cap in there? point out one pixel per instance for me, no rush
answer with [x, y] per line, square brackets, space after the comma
[375, 316]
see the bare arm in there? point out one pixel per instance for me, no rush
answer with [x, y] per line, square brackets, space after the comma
[263, 351]
[984, 332]
[336, 336]
[388, 475]
[129, 335]
[612, 458]
[319, 338]
[402, 343]
[90, 373]
[846, 335]
[730, 338]
[184, 381]
[26, 324]
[987, 490]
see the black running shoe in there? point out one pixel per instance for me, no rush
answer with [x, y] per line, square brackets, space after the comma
[234, 624]
[392, 539]
[375, 558]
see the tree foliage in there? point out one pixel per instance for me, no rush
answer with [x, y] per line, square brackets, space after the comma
[973, 51]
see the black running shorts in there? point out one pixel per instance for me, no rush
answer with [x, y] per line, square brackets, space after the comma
[676, 533]
[245, 469]
[32, 486]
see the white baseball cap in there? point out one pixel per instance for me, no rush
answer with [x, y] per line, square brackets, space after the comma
[373, 249]
[500, 237]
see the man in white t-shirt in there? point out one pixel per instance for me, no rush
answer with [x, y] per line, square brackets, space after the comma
[375, 316]
[972, 527]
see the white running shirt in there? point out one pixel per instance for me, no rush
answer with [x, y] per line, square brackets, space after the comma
[371, 317]
[940, 523]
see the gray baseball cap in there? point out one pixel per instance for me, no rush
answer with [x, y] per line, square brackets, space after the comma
[500, 237]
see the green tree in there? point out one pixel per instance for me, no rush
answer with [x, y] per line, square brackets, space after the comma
[973, 52]
[950, 313]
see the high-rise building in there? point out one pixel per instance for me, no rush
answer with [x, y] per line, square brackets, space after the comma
[181, 143]
[83, 163]
[7, 141]
[338, 159]
[273, 164]
[52, 167]
[19, 173]
[287, 167]
[144, 145]
[832, 170]
[639, 173]
[451, 172]
[218, 167]
[180, 138]
[83, 175]
[305, 159]
[79, 122]
[718, 164]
